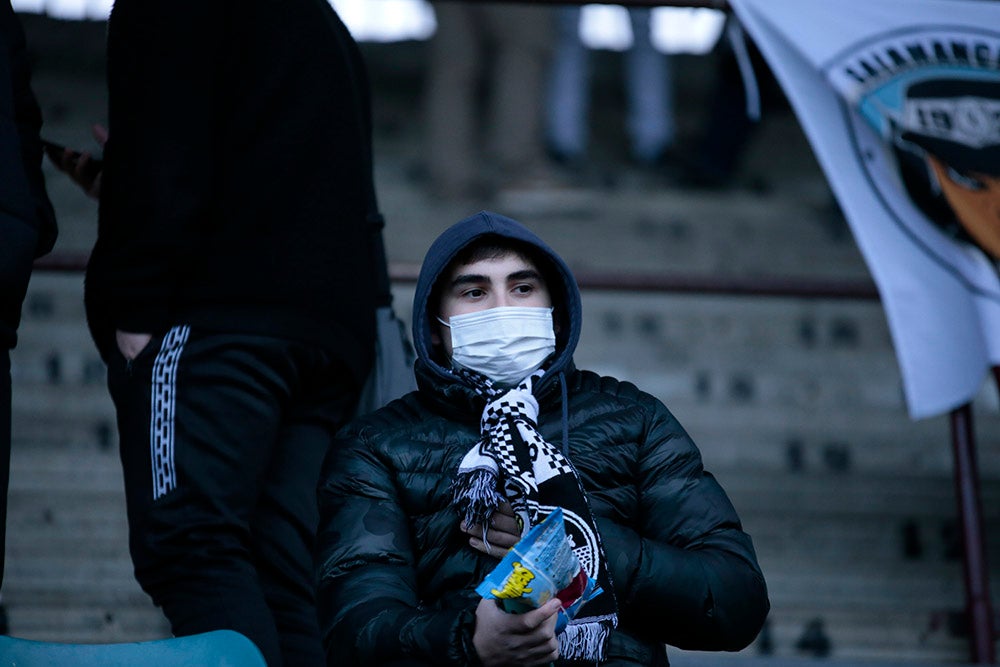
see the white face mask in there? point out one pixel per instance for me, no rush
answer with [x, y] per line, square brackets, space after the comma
[505, 344]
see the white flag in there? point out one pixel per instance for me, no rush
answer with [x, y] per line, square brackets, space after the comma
[901, 103]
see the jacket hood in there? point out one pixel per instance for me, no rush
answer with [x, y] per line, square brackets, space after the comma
[565, 293]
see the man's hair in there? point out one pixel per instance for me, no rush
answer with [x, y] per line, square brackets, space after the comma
[492, 247]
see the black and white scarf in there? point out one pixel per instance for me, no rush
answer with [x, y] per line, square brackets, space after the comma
[513, 462]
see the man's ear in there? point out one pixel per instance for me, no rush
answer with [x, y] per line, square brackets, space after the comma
[440, 350]
[436, 332]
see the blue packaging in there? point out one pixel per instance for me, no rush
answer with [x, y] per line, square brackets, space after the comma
[542, 565]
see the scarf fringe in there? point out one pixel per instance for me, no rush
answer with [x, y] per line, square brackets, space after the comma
[475, 496]
[584, 641]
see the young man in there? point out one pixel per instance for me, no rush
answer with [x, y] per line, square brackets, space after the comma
[503, 429]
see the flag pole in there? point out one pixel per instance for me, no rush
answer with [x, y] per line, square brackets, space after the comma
[977, 585]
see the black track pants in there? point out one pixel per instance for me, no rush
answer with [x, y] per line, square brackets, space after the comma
[222, 437]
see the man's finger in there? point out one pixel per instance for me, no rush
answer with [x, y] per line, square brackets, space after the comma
[536, 618]
[479, 545]
[100, 133]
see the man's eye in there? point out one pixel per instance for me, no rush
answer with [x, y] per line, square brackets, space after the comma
[524, 289]
[966, 181]
[473, 293]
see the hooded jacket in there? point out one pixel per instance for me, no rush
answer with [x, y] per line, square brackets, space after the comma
[397, 576]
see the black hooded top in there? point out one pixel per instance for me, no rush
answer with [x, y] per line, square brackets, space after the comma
[237, 185]
[565, 293]
[397, 576]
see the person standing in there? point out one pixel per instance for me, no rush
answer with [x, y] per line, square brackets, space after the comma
[223, 292]
[648, 86]
[27, 219]
[505, 50]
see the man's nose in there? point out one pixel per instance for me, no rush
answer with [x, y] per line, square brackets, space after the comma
[503, 300]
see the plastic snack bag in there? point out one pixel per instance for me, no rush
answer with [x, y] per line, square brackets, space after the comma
[541, 566]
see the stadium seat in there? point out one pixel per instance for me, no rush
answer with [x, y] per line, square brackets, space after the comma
[220, 648]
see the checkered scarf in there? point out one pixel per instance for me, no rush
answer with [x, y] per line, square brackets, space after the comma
[513, 462]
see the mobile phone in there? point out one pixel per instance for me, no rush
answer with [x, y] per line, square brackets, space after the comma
[57, 153]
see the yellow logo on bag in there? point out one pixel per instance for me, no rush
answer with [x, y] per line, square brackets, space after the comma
[516, 583]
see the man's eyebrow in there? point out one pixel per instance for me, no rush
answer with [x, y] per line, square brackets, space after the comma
[478, 278]
[468, 279]
[525, 274]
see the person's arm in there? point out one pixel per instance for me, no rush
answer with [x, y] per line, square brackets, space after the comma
[162, 157]
[82, 167]
[369, 606]
[684, 571]
[368, 601]
[27, 118]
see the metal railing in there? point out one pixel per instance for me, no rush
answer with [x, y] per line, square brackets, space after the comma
[610, 281]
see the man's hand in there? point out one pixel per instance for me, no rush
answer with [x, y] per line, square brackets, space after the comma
[131, 344]
[82, 167]
[503, 533]
[513, 640]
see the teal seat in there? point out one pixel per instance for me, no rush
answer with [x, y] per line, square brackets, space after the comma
[220, 648]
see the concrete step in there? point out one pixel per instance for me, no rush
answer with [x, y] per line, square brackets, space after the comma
[847, 539]
[911, 628]
[884, 588]
[83, 517]
[773, 399]
[84, 434]
[685, 328]
[79, 417]
[72, 576]
[64, 365]
[789, 658]
[822, 495]
[657, 229]
[868, 635]
[65, 469]
[47, 402]
[750, 658]
[864, 440]
[87, 623]
[53, 297]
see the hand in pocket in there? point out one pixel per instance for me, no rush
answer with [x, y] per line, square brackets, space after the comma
[131, 344]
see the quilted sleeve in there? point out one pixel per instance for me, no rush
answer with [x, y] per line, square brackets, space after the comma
[368, 603]
[685, 572]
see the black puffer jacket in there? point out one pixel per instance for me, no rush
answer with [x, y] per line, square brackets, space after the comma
[396, 576]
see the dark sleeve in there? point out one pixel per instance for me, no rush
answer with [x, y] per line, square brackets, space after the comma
[28, 119]
[164, 101]
[685, 572]
[27, 221]
[369, 608]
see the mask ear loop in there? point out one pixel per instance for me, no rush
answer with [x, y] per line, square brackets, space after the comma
[564, 396]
